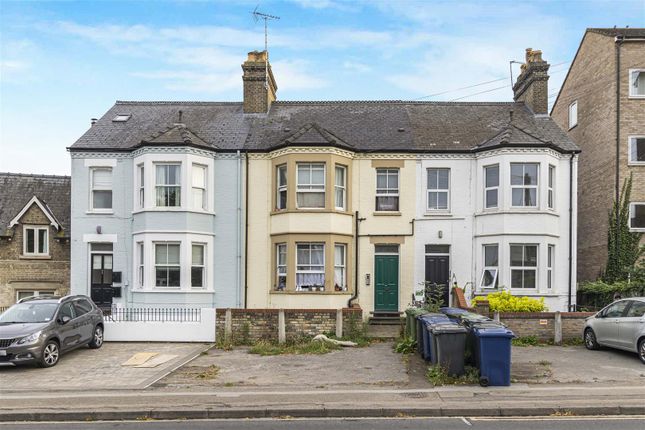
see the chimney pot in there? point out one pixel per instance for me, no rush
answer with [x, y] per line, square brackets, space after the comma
[93, 121]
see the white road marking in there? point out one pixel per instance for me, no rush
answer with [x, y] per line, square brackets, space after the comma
[466, 421]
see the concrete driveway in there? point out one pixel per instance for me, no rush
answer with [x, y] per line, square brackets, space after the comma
[86, 369]
[379, 366]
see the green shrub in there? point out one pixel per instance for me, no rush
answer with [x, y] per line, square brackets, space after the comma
[504, 301]
[598, 294]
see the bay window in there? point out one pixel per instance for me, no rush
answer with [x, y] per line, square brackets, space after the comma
[141, 185]
[551, 184]
[340, 266]
[199, 187]
[167, 265]
[197, 266]
[281, 266]
[491, 186]
[281, 185]
[310, 192]
[523, 266]
[310, 267]
[524, 184]
[340, 188]
[168, 185]
[491, 263]
[550, 255]
[140, 264]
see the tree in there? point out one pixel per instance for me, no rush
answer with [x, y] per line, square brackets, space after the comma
[623, 245]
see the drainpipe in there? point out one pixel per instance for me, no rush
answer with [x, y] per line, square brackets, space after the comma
[619, 40]
[357, 221]
[570, 228]
[238, 246]
[246, 231]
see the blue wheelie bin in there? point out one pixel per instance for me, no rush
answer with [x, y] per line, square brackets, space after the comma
[493, 355]
[427, 322]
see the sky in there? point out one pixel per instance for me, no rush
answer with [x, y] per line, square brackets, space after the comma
[64, 62]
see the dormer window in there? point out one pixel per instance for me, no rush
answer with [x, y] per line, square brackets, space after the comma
[35, 241]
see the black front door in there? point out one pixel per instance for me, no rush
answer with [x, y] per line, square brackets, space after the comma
[438, 275]
[101, 286]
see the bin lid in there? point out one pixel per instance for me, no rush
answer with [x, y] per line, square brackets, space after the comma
[453, 311]
[491, 331]
[433, 324]
[448, 329]
[433, 317]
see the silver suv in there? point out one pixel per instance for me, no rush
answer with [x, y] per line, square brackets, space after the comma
[620, 325]
[40, 329]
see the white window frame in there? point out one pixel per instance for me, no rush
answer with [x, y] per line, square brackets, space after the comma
[524, 187]
[340, 266]
[340, 188]
[631, 143]
[631, 84]
[550, 260]
[200, 266]
[310, 264]
[437, 190]
[523, 267]
[492, 269]
[550, 185]
[281, 188]
[203, 189]
[388, 191]
[281, 269]
[176, 185]
[491, 188]
[573, 114]
[141, 268]
[167, 265]
[141, 185]
[311, 187]
[99, 188]
[36, 293]
[632, 208]
[37, 229]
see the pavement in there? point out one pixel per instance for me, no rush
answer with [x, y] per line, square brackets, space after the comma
[356, 382]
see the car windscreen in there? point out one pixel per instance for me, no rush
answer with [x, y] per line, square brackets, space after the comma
[29, 313]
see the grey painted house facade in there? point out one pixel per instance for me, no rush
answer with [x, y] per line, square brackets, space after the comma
[157, 212]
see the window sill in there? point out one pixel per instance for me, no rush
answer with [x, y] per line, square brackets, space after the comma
[308, 210]
[573, 126]
[172, 209]
[635, 96]
[636, 163]
[438, 214]
[99, 212]
[171, 291]
[386, 213]
[316, 293]
[34, 257]
[530, 211]
[637, 230]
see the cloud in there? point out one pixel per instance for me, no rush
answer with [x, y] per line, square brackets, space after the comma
[297, 75]
[355, 66]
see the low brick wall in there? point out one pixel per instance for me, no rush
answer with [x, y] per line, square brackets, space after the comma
[542, 324]
[250, 325]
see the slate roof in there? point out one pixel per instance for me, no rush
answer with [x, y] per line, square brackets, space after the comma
[17, 189]
[626, 32]
[362, 126]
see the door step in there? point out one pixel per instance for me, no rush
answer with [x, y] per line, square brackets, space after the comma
[385, 318]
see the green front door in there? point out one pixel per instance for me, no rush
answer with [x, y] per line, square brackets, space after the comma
[386, 283]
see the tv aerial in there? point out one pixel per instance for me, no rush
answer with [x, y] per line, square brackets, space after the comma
[257, 15]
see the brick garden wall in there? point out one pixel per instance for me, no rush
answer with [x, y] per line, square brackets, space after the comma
[250, 325]
[542, 324]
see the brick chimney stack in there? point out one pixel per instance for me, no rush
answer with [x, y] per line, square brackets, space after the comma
[258, 96]
[532, 85]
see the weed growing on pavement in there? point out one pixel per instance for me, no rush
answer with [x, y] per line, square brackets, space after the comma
[544, 363]
[526, 341]
[407, 345]
[437, 375]
[293, 347]
[211, 372]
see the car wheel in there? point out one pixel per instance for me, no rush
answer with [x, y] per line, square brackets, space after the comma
[590, 340]
[50, 354]
[641, 350]
[97, 339]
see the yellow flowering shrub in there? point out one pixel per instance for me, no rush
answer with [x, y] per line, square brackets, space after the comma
[506, 302]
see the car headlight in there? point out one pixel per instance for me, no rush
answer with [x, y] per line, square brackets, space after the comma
[32, 338]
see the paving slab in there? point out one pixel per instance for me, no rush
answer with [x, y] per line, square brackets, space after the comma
[87, 369]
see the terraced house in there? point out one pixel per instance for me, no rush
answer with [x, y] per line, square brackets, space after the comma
[326, 204]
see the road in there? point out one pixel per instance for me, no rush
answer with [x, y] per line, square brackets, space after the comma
[546, 423]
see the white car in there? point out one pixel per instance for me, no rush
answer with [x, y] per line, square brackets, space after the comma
[620, 325]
